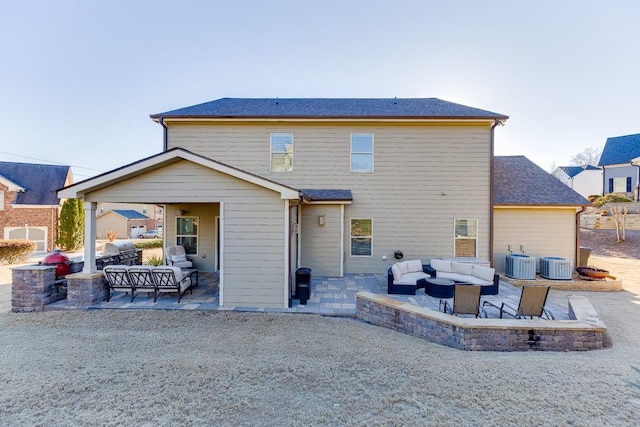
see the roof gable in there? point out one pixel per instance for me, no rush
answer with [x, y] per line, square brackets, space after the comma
[38, 183]
[620, 149]
[169, 157]
[407, 108]
[572, 171]
[519, 181]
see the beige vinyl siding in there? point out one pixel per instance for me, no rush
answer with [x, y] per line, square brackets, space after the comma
[253, 224]
[414, 165]
[111, 221]
[540, 231]
[321, 249]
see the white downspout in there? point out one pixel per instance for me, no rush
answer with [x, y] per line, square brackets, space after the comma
[287, 237]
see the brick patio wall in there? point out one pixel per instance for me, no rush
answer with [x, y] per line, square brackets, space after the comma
[33, 287]
[585, 332]
[85, 290]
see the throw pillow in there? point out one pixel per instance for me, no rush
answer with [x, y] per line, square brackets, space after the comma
[178, 258]
[396, 272]
[414, 265]
[404, 268]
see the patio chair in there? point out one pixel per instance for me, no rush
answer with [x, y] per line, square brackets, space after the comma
[118, 279]
[142, 280]
[532, 301]
[171, 279]
[175, 255]
[466, 300]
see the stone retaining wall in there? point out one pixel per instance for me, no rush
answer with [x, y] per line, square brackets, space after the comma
[586, 332]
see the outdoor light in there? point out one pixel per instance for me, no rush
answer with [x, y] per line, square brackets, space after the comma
[321, 220]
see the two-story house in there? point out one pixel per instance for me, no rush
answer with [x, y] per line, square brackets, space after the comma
[620, 161]
[255, 188]
[29, 205]
[584, 180]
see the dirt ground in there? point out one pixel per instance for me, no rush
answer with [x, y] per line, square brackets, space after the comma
[167, 368]
[604, 243]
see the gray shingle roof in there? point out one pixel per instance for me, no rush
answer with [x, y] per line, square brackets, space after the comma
[519, 181]
[620, 149]
[327, 195]
[130, 214]
[39, 181]
[331, 108]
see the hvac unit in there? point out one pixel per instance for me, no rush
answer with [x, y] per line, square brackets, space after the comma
[521, 267]
[555, 268]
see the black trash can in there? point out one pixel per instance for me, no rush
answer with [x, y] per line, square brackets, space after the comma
[303, 284]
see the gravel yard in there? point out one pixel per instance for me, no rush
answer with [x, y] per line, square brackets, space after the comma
[220, 368]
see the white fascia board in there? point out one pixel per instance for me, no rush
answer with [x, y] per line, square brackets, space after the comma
[168, 157]
[168, 120]
[35, 206]
[12, 186]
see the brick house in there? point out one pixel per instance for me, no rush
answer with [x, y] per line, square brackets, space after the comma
[29, 205]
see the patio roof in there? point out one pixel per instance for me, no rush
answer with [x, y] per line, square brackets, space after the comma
[311, 196]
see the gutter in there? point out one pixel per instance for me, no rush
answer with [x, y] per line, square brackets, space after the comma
[577, 252]
[491, 190]
[165, 133]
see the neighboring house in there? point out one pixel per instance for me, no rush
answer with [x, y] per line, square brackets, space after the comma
[152, 211]
[584, 180]
[619, 165]
[29, 205]
[256, 188]
[127, 222]
[534, 213]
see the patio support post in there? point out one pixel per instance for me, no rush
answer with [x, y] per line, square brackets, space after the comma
[90, 237]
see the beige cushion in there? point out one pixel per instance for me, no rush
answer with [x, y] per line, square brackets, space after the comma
[396, 272]
[414, 265]
[411, 278]
[464, 278]
[484, 273]
[404, 268]
[462, 268]
[441, 265]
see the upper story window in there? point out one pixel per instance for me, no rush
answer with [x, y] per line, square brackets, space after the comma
[281, 152]
[620, 185]
[361, 152]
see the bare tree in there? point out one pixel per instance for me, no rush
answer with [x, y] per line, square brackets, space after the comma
[620, 218]
[588, 156]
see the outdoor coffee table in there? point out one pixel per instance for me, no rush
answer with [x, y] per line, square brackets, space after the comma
[439, 288]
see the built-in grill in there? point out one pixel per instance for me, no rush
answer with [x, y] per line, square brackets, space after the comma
[121, 252]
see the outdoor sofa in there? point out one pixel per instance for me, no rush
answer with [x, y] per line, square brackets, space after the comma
[136, 278]
[462, 272]
[403, 277]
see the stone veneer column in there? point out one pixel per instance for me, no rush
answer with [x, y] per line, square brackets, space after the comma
[84, 290]
[33, 287]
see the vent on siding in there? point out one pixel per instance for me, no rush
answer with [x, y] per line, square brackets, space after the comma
[555, 268]
[521, 267]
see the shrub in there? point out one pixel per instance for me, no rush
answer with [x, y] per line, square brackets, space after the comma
[149, 244]
[71, 232]
[611, 198]
[592, 198]
[155, 260]
[112, 234]
[15, 251]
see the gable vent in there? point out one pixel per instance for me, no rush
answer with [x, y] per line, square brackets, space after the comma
[521, 267]
[555, 268]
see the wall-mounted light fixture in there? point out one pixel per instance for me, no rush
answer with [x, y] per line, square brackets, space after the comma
[179, 212]
[321, 220]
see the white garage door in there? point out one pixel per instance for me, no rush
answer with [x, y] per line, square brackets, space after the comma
[36, 234]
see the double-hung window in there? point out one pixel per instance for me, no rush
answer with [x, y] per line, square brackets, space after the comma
[466, 237]
[361, 237]
[187, 234]
[361, 152]
[281, 152]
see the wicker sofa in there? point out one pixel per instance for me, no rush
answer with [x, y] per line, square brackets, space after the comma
[465, 273]
[403, 277]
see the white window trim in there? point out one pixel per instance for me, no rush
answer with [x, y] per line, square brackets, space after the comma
[351, 152]
[271, 152]
[1, 200]
[197, 235]
[476, 238]
[45, 229]
[351, 238]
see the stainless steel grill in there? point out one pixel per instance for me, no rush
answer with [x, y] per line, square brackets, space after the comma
[122, 252]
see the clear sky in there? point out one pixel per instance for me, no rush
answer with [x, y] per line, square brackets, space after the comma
[78, 79]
